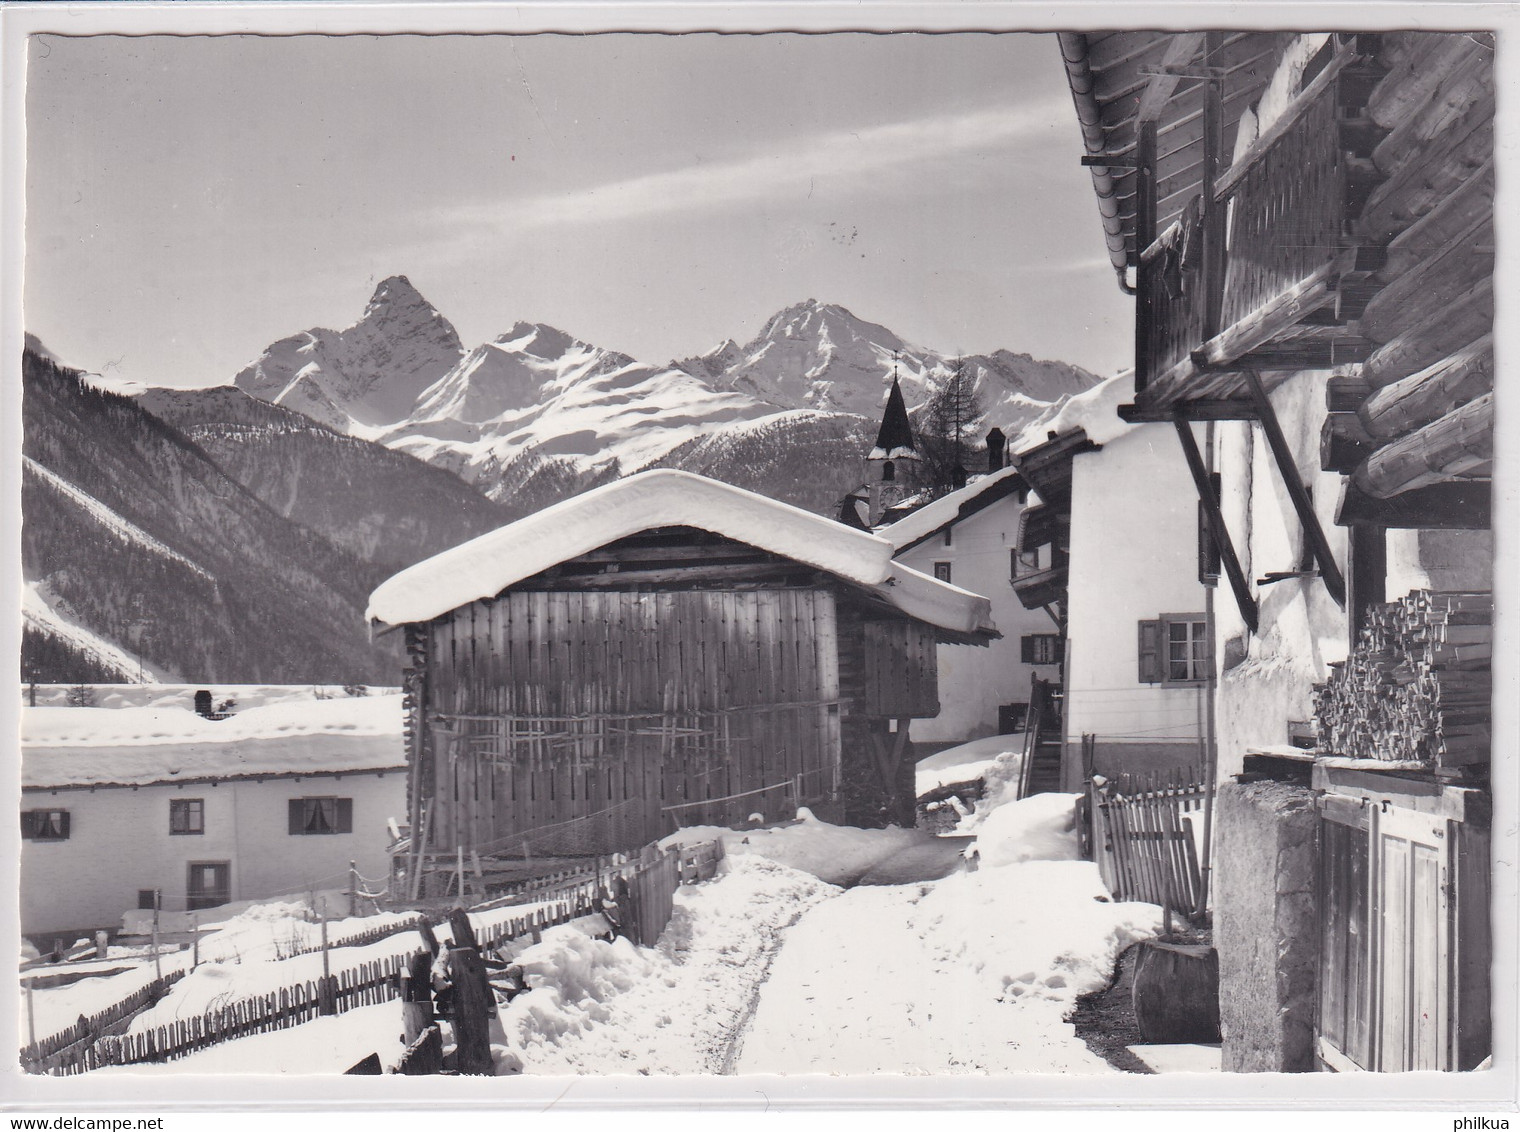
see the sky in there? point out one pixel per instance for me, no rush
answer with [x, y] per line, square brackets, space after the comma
[191, 200]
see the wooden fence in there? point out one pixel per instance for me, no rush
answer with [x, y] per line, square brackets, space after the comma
[1142, 837]
[67, 1045]
[649, 882]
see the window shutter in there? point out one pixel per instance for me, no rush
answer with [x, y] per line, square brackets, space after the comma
[1026, 649]
[63, 825]
[28, 824]
[345, 815]
[296, 811]
[1150, 652]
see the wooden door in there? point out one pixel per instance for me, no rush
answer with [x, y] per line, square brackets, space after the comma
[1412, 941]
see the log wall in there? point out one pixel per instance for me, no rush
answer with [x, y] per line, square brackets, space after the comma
[1429, 375]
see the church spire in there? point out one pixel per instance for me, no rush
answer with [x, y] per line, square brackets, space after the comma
[894, 440]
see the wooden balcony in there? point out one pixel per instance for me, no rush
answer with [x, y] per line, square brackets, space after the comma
[1263, 271]
[1042, 587]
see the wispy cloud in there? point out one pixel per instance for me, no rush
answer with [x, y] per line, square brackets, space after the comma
[844, 158]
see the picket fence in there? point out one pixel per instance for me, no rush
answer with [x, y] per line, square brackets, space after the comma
[648, 884]
[1143, 837]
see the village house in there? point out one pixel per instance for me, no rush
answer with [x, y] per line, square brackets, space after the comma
[970, 538]
[146, 801]
[664, 650]
[1306, 222]
[1131, 584]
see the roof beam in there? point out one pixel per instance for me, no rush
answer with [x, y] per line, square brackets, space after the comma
[1287, 467]
[1217, 528]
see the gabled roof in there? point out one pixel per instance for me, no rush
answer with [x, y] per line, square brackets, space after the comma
[934, 517]
[485, 566]
[894, 440]
[1048, 466]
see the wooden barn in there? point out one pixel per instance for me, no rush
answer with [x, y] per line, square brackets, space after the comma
[1306, 222]
[663, 651]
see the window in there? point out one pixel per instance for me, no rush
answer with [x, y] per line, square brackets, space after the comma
[1175, 649]
[321, 815]
[1040, 648]
[942, 571]
[45, 825]
[187, 815]
[147, 899]
[207, 884]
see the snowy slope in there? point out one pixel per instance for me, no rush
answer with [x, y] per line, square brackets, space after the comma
[46, 613]
[107, 518]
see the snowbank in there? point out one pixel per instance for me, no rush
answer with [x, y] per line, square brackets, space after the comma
[598, 1007]
[967, 762]
[1038, 828]
[839, 854]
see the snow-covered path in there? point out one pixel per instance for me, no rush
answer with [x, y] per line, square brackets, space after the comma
[972, 973]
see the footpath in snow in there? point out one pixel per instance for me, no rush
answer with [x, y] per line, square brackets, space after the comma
[972, 973]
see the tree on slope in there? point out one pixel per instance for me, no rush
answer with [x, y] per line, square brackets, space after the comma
[947, 432]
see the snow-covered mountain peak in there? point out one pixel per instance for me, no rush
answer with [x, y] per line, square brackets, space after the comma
[370, 373]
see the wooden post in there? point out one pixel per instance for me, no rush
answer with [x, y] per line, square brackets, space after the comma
[459, 871]
[327, 998]
[1287, 467]
[1217, 528]
[353, 890]
[31, 1017]
[1213, 211]
[101, 940]
[195, 940]
[473, 1001]
[416, 996]
[158, 899]
[1145, 232]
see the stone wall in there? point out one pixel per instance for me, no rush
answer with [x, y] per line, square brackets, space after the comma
[1266, 926]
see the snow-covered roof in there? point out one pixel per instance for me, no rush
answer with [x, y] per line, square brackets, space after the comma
[946, 509]
[91, 746]
[1095, 411]
[484, 566]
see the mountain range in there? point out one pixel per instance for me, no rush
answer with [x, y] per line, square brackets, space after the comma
[232, 533]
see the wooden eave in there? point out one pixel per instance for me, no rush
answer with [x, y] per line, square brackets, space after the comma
[1110, 74]
[1043, 587]
[1048, 467]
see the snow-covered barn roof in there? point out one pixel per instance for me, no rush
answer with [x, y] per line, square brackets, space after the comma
[138, 746]
[936, 516]
[485, 566]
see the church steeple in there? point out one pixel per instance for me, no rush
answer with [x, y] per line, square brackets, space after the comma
[894, 442]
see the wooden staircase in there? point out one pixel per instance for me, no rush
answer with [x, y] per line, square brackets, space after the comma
[1041, 769]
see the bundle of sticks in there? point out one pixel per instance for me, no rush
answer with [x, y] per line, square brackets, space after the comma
[1418, 685]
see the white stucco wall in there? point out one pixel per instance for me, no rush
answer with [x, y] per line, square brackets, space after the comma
[1134, 556]
[119, 842]
[1268, 677]
[974, 681]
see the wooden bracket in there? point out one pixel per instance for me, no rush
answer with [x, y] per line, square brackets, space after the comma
[1221, 533]
[1287, 467]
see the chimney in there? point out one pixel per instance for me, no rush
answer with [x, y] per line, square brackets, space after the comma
[203, 703]
[995, 444]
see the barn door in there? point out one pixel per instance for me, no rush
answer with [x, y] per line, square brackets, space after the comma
[1412, 944]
